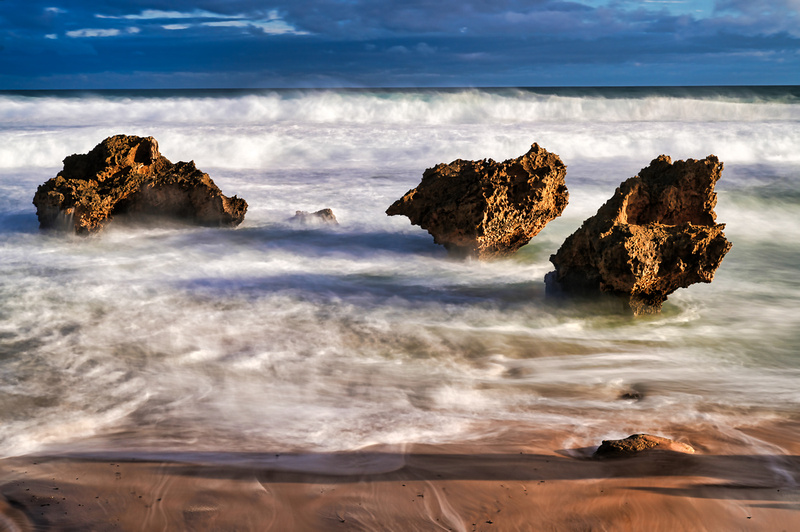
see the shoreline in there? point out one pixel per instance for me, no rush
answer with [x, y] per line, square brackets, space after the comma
[517, 481]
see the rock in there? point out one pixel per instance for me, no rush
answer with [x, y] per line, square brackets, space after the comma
[484, 208]
[638, 443]
[324, 216]
[632, 395]
[655, 235]
[126, 175]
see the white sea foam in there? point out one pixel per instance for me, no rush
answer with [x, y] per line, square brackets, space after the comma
[385, 108]
[349, 128]
[338, 338]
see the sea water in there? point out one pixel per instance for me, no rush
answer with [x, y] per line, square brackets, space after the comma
[278, 336]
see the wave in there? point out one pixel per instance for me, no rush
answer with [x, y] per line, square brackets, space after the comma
[469, 106]
[340, 338]
[409, 129]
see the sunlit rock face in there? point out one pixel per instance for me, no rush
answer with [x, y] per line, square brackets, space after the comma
[639, 443]
[487, 209]
[126, 176]
[656, 234]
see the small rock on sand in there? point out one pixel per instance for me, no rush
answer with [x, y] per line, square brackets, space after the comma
[638, 443]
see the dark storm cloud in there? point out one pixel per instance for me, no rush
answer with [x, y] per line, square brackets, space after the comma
[370, 42]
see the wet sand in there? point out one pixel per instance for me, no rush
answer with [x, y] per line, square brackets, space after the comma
[517, 480]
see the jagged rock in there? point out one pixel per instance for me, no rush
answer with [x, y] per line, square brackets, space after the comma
[485, 208]
[638, 443]
[655, 235]
[126, 175]
[324, 216]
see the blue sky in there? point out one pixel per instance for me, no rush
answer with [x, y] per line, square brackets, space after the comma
[75, 44]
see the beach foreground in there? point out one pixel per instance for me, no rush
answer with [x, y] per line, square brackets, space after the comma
[515, 481]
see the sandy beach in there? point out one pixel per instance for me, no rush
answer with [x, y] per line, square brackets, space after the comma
[515, 481]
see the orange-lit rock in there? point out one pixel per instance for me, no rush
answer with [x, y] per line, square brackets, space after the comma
[656, 234]
[127, 176]
[638, 443]
[484, 208]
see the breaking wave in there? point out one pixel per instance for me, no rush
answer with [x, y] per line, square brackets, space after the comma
[344, 128]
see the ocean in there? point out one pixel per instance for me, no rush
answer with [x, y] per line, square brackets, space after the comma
[332, 338]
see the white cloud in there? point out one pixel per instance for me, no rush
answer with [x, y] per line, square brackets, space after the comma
[228, 24]
[278, 27]
[97, 32]
[271, 26]
[51, 36]
[54, 10]
[155, 14]
[91, 32]
[271, 23]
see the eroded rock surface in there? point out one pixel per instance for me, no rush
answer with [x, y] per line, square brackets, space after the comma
[655, 235]
[485, 208]
[127, 176]
[638, 443]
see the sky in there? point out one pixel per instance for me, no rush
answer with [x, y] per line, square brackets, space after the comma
[133, 44]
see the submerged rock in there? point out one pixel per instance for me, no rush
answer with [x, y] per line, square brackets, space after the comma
[127, 176]
[485, 208]
[655, 235]
[324, 216]
[638, 443]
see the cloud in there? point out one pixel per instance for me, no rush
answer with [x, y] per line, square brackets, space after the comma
[96, 32]
[270, 26]
[394, 42]
[92, 32]
[157, 14]
[425, 48]
[760, 16]
[228, 24]
[269, 22]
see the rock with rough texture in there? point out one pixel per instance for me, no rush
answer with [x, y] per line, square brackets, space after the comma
[655, 235]
[321, 217]
[484, 208]
[638, 443]
[127, 176]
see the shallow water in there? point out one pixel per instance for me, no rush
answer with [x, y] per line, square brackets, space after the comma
[335, 338]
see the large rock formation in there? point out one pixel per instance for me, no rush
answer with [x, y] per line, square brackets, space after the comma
[655, 235]
[485, 208]
[125, 175]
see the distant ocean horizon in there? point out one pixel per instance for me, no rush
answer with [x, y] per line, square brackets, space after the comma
[337, 338]
[615, 91]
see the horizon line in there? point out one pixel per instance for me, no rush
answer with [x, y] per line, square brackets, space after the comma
[395, 88]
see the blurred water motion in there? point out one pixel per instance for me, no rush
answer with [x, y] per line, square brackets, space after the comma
[338, 338]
